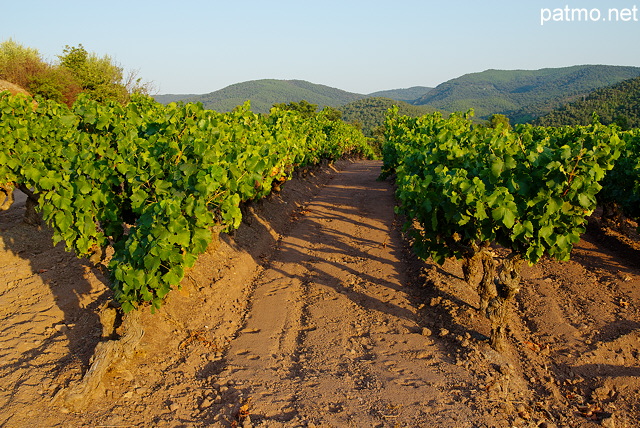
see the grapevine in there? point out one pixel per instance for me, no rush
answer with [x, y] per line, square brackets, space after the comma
[621, 187]
[463, 188]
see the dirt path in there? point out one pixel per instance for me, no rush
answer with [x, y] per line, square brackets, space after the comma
[314, 313]
[333, 335]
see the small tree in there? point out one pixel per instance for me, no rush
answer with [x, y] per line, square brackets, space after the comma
[622, 121]
[498, 119]
[135, 85]
[56, 83]
[98, 76]
[304, 107]
[332, 114]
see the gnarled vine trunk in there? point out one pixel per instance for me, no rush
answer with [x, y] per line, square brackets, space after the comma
[31, 216]
[487, 287]
[507, 285]
[6, 196]
[469, 263]
[495, 291]
[107, 355]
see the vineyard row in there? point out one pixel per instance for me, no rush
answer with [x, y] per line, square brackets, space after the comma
[463, 188]
[153, 182]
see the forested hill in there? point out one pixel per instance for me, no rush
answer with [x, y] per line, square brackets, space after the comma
[370, 112]
[619, 103]
[523, 95]
[408, 95]
[267, 92]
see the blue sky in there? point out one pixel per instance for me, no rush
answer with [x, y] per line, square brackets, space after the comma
[188, 46]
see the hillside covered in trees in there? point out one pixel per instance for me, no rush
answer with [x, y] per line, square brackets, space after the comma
[523, 95]
[265, 93]
[408, 95]
[369, 113]
[619, 103]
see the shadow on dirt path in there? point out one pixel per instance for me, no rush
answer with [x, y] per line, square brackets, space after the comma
[48, 311]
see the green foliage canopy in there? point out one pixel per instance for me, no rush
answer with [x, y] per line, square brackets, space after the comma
[99, 77]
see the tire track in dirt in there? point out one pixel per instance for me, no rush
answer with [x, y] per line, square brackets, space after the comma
[332, 338]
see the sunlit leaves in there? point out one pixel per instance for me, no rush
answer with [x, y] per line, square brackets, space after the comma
[528, 189]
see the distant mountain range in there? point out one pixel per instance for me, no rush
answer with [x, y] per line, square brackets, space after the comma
[522, 95]
[267, 92]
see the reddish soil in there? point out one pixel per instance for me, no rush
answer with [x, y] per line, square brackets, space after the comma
[315, 314]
